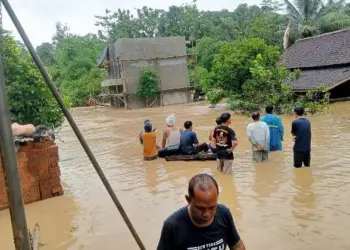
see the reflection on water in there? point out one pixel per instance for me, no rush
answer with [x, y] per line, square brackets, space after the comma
[274, 205]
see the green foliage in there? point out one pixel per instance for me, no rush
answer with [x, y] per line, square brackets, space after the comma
[314, 101]
[246, 72]
[75, 70]
[30, 100]
[206, 49]
[231, 68]
[148, 88]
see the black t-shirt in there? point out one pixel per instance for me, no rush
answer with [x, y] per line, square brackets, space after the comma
[224, 137]
[179, 233]
[301, 128]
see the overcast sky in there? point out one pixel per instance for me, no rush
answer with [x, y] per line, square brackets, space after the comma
[39, 17]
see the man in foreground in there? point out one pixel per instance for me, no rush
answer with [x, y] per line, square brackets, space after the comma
[301, 131]
[225, 141]
[189, 144]
[203, 224]
[259, 136]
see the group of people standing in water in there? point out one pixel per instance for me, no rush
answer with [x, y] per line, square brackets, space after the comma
[265, 134]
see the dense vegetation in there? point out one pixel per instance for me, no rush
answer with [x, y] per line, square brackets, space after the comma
[233, 54]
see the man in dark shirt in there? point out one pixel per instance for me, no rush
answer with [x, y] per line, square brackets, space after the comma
[203, 224]
[189, 142]
[301, 131]
[225, 141]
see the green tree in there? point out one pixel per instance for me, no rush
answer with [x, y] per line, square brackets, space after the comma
[30, 100]
[206, 49]
[309, 16]
[75, 71]
[232, 64]
[46, 53]
[148, 88]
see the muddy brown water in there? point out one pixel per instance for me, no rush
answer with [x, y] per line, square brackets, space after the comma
[274, 205]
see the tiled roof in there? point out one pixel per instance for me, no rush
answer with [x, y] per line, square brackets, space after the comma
[311, 79]
[319, 51]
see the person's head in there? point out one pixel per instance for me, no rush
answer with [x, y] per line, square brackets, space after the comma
[147, 120]
[269, 109]
[225, 118]
[188, 125]
[218, 121]
[256, 116]
[299, 111]
[148, 127]
[202, 198]
[170, 120]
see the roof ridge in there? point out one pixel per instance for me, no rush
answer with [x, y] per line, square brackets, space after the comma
[324, 34]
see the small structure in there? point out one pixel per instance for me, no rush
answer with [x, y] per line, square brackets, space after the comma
[125, 59]
[38, 169]
[323, 59]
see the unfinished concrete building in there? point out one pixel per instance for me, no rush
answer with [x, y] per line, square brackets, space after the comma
[125, 59]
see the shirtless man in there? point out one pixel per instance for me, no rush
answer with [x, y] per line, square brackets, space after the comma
[171, 134]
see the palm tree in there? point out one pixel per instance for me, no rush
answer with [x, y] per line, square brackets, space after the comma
[313, 16]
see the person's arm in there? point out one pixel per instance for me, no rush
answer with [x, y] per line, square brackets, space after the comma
[195, 139]
[280, 128]
[140, 138]
[234, 140]
[166, 238]
[213, 139]
[234, 240]
[239, 246]
[294, 129]
[267, 135]
[210, 134]
[164, 138]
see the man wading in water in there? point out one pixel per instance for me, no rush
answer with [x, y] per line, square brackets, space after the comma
[276, 129]
[225, 141]
[301, 131]
[203, 224]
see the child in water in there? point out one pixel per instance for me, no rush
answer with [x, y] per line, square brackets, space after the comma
[149, 141]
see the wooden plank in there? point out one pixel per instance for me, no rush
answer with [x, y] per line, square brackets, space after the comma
[197, 157]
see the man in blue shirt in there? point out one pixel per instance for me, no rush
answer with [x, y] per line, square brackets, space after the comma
[301, 131]
[189, 144]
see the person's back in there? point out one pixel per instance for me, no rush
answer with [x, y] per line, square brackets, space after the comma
[259, 135]
[173, 137]
[187, 141]
[149, 138]
[276, 129]
[301, 128]
[258, 132]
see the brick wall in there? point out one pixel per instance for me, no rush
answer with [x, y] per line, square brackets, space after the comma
[39, 172]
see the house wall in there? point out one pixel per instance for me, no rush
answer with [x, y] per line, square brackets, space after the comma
[174, 81]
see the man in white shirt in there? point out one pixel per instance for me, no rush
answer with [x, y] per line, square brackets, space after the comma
[259, 136]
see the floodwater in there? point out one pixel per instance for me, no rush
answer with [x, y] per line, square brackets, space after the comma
[274, 205]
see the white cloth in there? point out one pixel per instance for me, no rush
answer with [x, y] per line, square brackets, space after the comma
[170, 120]
[258, 133]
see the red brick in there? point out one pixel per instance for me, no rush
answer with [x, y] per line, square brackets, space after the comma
[42, 166]
[57, 189]
[26, 148]
[21, 154]
[40, 145]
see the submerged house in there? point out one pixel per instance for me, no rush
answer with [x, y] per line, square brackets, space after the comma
[323, 59]
[125, 59]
